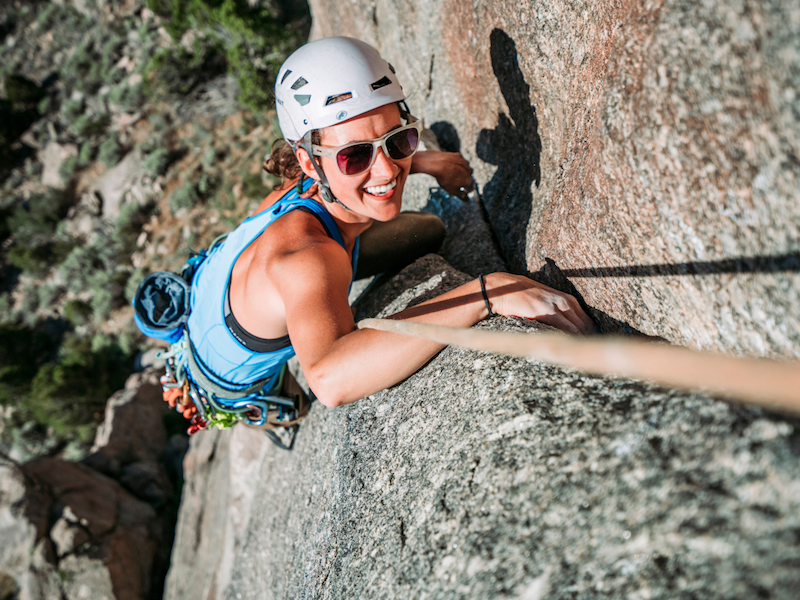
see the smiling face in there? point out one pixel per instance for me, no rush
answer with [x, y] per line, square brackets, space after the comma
[375, 194]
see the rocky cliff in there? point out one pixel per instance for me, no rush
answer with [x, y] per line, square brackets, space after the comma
[645, 150]
[640, 154]
[483, 476]
[98, 529]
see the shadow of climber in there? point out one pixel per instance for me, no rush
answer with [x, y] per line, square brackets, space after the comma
[514, 146]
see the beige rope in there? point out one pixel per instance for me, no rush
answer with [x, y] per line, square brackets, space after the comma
[762, 382]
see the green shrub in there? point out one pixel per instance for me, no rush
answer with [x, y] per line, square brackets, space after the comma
[69, 395]
[32, 168]
[78, 266]
[68, 168]
[127, 97]
[22, 352]
[48, 293]
[77, 312]
[34, 225]
[253, 41]
[44, 105]
[110, 150]
[130, 341]
[175, 70]
[109, 55]
[38, 259]
[49, 16]
[207, 185]
[6, 313]
[132, 285]
[77, 72]
[87, 154]
[35, 221]
[21, 90]
[71, 110]
[184, 197]
[91, 125]
[102, 341]
[92, 63]
[101, 303]
[159, 123]
[157, 161]
[134, 96]
[209, 159]
[132, 218]
[253, 187]
[15, 179]
[29, 305]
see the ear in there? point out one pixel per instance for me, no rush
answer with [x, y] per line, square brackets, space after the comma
[305, 163]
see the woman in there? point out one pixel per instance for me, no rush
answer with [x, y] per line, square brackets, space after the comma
[279, 286]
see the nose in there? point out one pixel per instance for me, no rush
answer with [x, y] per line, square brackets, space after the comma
[384, 166]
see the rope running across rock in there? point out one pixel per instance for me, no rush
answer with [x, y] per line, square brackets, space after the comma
[770, 384]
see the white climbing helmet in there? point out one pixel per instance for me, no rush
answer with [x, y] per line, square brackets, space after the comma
[331, 80]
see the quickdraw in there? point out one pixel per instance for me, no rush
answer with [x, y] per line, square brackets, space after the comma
[202, 402]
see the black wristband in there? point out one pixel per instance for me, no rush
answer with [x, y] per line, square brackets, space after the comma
[486, 297]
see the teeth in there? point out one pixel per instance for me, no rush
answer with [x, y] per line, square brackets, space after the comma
[380, 190]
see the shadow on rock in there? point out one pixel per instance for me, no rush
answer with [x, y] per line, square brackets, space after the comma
[742, 264]
[514, 146]
[551, 275]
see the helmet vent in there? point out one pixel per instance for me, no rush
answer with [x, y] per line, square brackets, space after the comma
[338, 98]
[382, 82]
[391, 68]
[285, 75]
[302, 99]
[299, 83]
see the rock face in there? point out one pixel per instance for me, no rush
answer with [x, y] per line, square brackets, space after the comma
[70, 532]
[484, 476]
[646, 151]
[642, 155]
[100, 529]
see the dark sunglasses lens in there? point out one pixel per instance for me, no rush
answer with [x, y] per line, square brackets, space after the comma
[403, 143]
[354, 159]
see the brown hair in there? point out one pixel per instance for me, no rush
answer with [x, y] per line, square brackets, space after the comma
[282, 161]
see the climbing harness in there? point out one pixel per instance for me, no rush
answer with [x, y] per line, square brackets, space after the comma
[162, 306]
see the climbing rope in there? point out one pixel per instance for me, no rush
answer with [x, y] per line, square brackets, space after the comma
[770, 384]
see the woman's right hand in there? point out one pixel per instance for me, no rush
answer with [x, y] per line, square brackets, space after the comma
[518, 296]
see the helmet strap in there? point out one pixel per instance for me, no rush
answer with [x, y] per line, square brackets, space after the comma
[324, 187]
[404, 112]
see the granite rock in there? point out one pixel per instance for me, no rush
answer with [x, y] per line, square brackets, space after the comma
[52, 157]
[126, 182]
[484, 476]
[133, 428]
[642, 154]
[69, 532]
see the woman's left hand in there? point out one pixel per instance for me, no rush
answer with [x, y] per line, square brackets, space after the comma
[450, 169]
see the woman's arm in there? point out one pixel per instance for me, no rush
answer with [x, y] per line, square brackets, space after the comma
[343, 364]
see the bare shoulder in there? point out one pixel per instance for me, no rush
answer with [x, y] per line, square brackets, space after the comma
[297, 246]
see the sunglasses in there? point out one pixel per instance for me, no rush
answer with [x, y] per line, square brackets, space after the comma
[357, 157]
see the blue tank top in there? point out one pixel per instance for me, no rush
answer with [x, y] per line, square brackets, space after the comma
[222, 357]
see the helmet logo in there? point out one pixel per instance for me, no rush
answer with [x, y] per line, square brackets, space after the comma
[341, 115]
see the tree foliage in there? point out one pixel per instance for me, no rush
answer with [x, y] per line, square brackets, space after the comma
[252, 38]
[69, 394]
